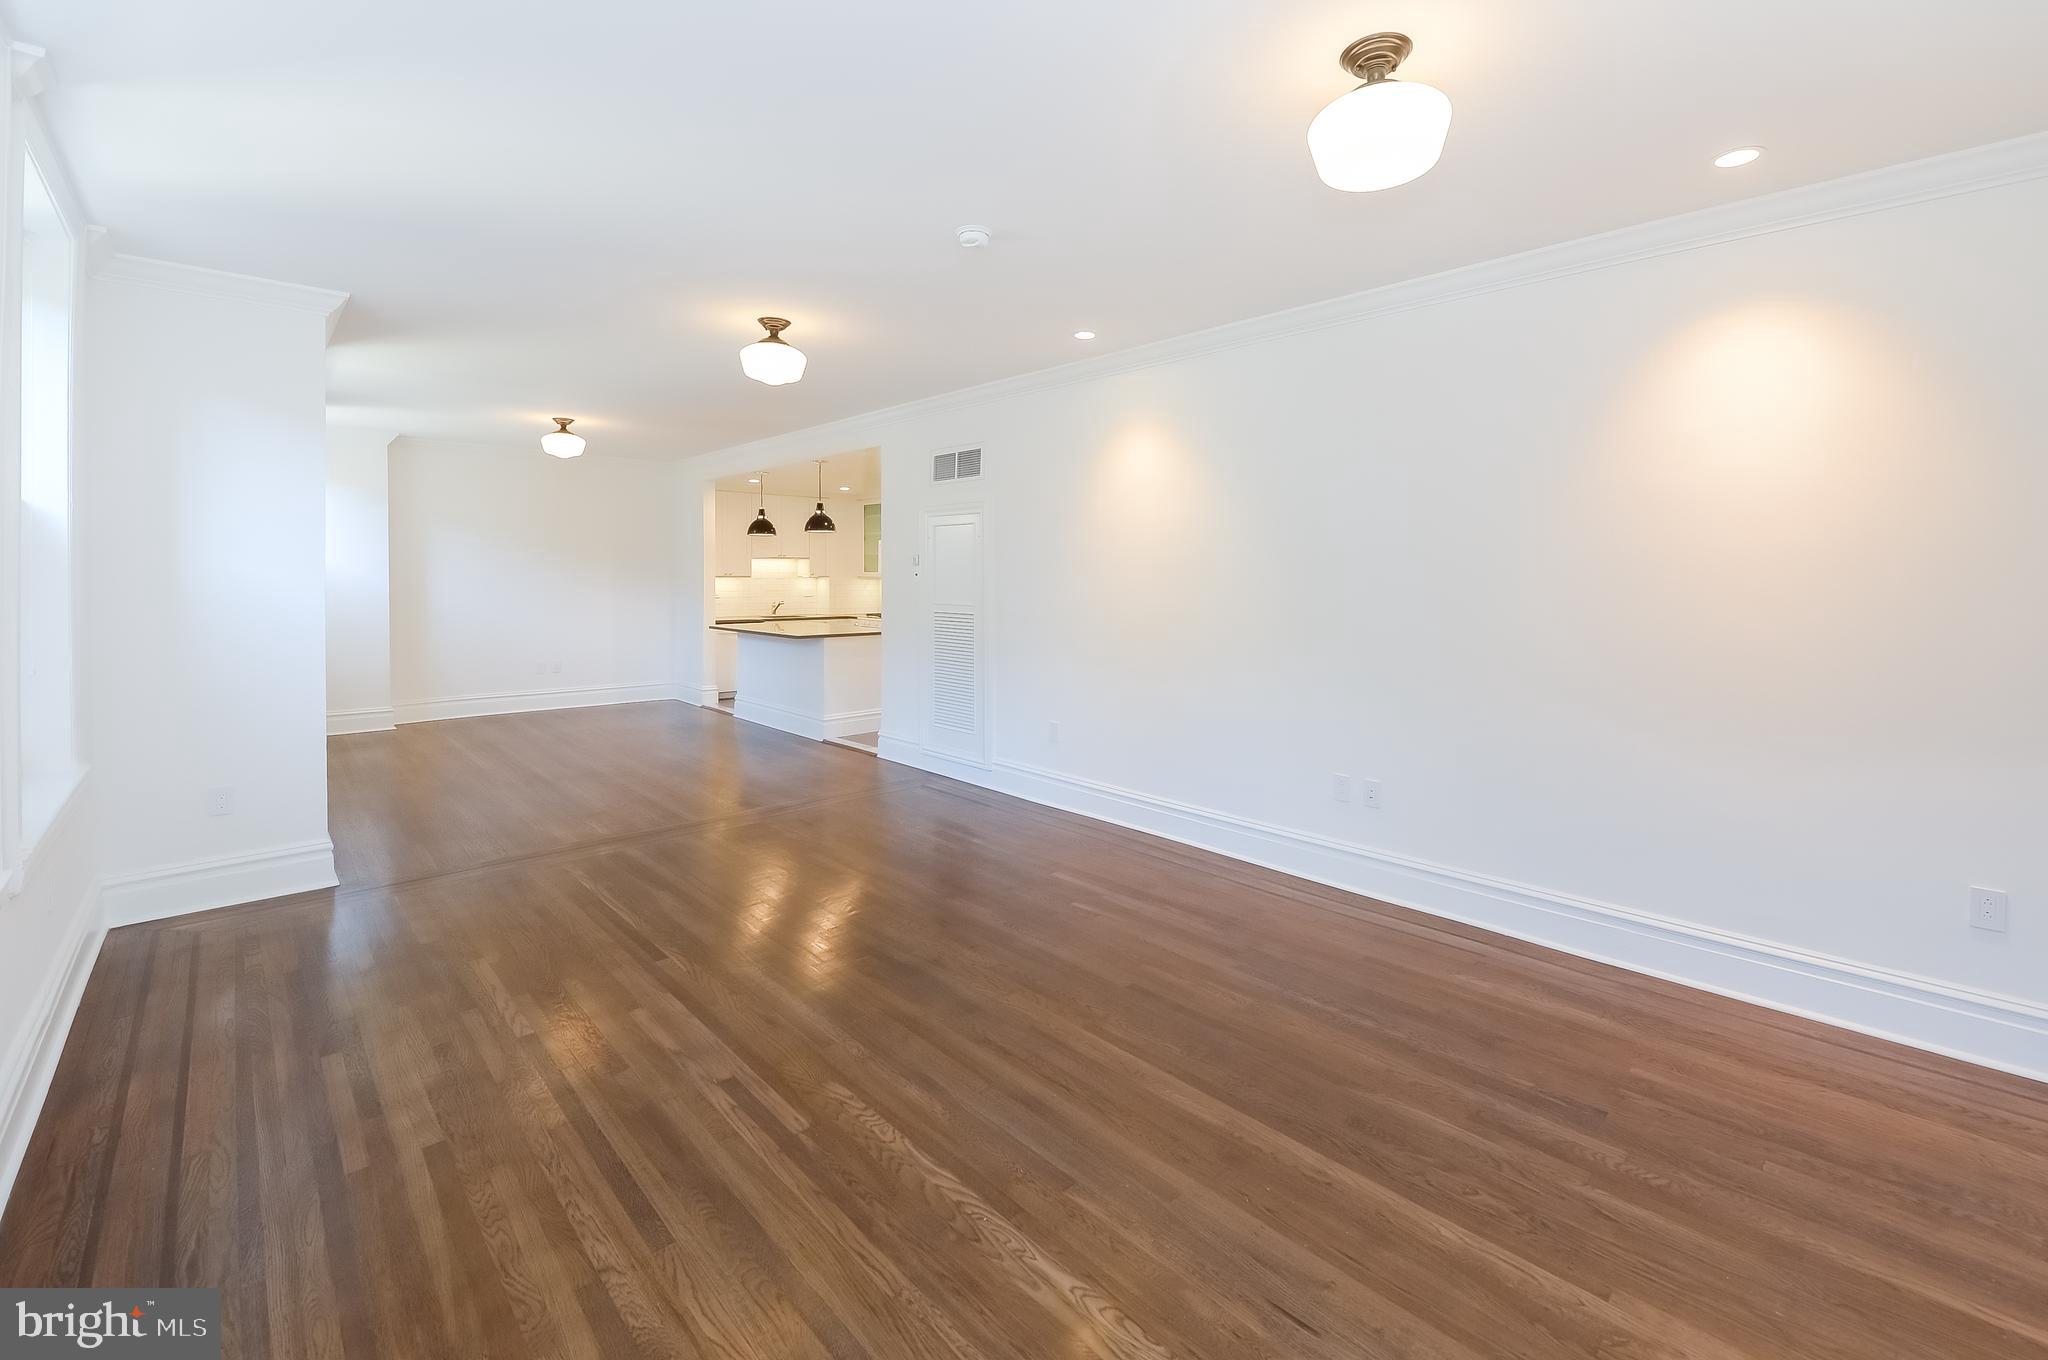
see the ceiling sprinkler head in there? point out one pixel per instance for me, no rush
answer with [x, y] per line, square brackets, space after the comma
[973, 238]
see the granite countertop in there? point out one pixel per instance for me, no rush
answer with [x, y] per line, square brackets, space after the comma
[805, 628]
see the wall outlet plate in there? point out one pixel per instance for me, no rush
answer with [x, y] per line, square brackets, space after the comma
[220, 802]
[1369, 792]
[1990, 909]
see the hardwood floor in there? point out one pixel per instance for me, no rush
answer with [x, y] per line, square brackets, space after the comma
[642, 1031]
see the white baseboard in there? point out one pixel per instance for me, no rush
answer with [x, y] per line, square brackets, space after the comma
[863, 720]
[1991, 1030]
[342, 722]
[803, 724]
[774, 715]
[526, 701]
[25, 1081]
[704, 696]
[202, 885]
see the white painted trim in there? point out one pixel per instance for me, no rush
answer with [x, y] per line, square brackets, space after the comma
[344, 721]
[861, 720]
[704, 696]
[190, 278]
[202, 885]
[25, 1080]
[1960, 172]
[57, 179]
[30, 69]
[1986, 1028]
[67, 807]
[776, 716]
[526, 701]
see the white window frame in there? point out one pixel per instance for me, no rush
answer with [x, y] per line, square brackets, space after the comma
[25, 137]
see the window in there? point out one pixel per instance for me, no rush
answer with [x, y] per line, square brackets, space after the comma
[871, 539]
[48, 749]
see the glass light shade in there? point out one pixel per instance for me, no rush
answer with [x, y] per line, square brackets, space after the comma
[561, 444]
[1380, 135]
[773, 361]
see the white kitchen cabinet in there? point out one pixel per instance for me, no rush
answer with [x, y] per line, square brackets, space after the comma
[735, 549]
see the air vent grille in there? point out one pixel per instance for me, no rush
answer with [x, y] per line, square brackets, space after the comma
[954, 692]
[956, 466]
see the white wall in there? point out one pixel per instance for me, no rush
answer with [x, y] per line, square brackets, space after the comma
[524, 581]
[201, 420]
[358, 580]
[1681, 590]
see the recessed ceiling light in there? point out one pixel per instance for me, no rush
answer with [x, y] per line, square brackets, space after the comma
[846, 488]
[1385, 132]
[1741, 155]
[1084, 335]
[753, 481]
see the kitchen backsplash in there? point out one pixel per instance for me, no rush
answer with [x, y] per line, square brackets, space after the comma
[742, 597]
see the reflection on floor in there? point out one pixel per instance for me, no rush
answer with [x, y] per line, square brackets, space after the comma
[631, 1033]
[867, 741]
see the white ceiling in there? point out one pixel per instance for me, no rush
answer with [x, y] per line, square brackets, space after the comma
[578, 209]
[859, 471]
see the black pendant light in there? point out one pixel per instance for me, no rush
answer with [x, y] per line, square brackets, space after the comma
[762, 525]
[820, 523]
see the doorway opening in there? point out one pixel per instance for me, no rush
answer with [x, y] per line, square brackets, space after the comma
[796, 597]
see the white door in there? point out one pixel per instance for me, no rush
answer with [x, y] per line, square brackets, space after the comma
[956, 672]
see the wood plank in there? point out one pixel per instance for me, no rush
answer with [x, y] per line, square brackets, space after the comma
[639, 1031]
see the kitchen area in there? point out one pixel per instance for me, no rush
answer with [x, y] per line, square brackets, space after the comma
[796, 631]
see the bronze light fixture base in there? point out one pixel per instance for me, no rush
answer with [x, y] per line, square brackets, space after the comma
[1375, 56]
[775, 326]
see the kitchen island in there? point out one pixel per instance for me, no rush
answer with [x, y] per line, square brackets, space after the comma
[818, 677]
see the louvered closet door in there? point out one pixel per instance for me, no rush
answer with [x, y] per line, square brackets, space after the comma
[956, 680]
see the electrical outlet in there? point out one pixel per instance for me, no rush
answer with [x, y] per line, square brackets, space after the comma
[1052, 734]
[1369, 792]
[1340, 787]
[220, 802]
[1989, 909]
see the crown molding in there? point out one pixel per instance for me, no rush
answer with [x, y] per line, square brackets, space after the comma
[1960, 172]
[30, 67]
[191, 278]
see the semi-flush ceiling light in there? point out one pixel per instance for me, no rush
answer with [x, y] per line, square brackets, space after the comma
[820, 523]
[762, 525]
[559, 441]
[1385, 132]
[773, 361]
[1741, 155]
